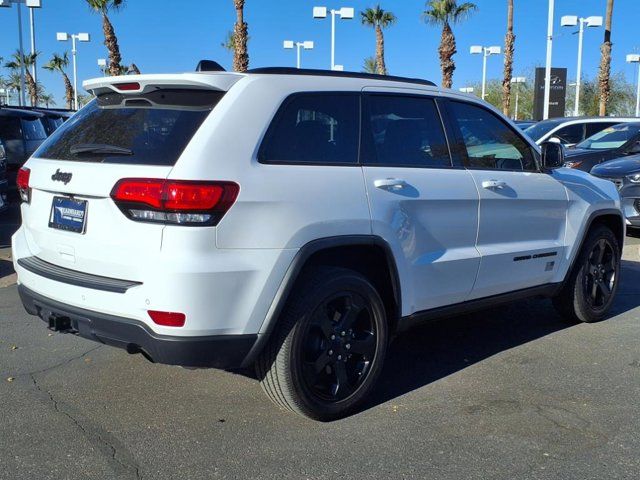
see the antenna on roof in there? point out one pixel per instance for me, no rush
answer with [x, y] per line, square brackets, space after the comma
[209, 66]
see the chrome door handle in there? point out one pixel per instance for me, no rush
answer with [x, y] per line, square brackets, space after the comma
[390, 183]
[491, 184]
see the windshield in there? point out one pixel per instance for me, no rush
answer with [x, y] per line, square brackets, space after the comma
[610, 138]
[540, 129]
[152, 128]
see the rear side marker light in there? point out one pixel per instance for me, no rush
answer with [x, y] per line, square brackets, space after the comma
[127, 87]
[167, 319]
[22, 181]
[180, 202]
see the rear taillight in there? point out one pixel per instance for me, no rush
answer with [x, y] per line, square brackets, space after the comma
[22, 181]
[180, 202]
[167, 319]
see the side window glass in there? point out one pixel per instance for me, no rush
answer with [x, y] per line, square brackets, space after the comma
[490, 143]
[593, 128]
[570, 133]
[404, 131]
[314, 129]
[10, 128]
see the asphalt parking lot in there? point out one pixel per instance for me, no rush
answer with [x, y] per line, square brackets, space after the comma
[508, 393]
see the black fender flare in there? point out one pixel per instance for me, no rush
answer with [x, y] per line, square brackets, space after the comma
[296, 267]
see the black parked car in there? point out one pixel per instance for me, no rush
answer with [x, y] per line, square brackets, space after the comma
[613, 142]
[21, 132]
[625, 173]
[52, 117]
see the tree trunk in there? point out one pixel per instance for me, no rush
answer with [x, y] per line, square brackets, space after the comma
[605, 62]
[68, 91]
[240, 35]
[509, 47]
[31, 88]
[111, 42]
[447, 50]
[381, 66]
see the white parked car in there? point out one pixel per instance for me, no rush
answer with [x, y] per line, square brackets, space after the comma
[572, 130]
[295, 221]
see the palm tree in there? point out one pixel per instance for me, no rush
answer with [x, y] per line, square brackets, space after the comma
[378, 19]
[47, 99]
[605, 61]
[445, 13]
[27, 61]
[370, 65]
[509, 48]
[103, 7]
[59, 63]
[240, 38]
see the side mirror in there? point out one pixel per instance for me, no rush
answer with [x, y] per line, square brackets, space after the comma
[554, 140]
[552, 155]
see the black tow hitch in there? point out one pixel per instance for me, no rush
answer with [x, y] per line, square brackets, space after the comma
[59, 324]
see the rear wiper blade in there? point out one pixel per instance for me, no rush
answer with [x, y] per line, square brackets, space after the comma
[100, 149]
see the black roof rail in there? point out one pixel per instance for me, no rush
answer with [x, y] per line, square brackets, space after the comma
[335, 73]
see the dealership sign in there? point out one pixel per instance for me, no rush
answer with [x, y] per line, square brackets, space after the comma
[557, 95]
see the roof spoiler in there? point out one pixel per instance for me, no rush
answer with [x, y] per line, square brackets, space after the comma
[209, 66]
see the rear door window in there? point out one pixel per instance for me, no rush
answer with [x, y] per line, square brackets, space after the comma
[314, 128]
[404, 131]
[140, 129]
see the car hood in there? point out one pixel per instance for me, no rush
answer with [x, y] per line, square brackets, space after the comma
[618, 167]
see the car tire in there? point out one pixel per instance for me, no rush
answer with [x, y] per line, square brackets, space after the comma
[591, 286]
[328, 348]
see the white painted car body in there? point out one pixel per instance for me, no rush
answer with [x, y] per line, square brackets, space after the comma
[560, 126]
[452, 239]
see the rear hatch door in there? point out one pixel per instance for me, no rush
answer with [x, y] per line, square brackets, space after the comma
[71, 220]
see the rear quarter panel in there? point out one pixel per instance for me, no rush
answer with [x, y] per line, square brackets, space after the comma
[279, 206]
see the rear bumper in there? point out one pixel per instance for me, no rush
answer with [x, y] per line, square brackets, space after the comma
[216, 351]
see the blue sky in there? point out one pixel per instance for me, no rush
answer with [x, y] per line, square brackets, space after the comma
[172, 35]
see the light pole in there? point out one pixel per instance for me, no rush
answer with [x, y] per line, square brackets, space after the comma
[466, 89]
[486, 53]
[31, 4]
[635, 58]
[81, 37]
[346, 13]
[517, 81]
[572, 21]
[289, 44]
[102, 65]
[547, 74]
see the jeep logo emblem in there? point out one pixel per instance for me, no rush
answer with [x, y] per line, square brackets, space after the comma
[63, 177]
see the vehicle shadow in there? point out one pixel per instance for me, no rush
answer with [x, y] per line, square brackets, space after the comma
[441, 348]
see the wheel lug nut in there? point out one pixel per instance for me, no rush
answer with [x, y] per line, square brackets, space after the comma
[333, 337]
[339, 357]
[330, 352]
[347, 346]
[342, 334]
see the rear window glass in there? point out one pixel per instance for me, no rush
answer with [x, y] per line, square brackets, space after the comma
[33, 128]
[139, 129]
[315, 129]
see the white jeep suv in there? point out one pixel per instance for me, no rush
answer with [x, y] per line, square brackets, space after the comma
[295, 221]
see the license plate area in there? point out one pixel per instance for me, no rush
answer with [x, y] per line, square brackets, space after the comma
[68, 214]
